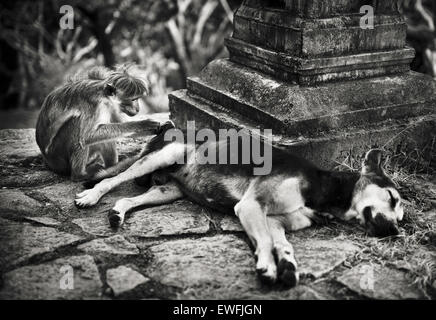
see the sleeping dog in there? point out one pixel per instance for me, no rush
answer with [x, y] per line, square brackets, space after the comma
[294, 195]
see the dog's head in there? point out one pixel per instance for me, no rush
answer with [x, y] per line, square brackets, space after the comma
[376, 202]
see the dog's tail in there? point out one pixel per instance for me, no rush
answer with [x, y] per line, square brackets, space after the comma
[156, 143]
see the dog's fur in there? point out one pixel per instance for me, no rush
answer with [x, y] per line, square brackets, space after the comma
[294, 195]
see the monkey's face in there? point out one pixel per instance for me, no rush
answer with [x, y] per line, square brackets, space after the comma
[129, 106]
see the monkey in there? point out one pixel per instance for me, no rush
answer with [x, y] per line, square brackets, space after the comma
[80, 121]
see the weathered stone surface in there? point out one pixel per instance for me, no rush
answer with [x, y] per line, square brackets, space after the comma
[222, 267]
[44, 220]
[20, 177]
[295, 110]
[124, 279]
[331, 36]
[380, 282]
[116, 244]
[97, 225]
[21, 241]
[17, 145]
[318, 257]
[62, 195]
[181, 217]
[49, 280]
[230, 223]
[15, 201]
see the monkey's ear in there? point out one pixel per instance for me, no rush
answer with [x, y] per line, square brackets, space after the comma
[109, 90]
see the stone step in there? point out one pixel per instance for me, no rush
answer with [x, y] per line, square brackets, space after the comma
[297, 111]
[332, 36]
[321, 149]
[315, 70]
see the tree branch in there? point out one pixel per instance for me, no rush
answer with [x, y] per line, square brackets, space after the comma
[227, 9]
[205, 13]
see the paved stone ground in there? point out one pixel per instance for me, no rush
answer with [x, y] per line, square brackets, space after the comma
[181, 250]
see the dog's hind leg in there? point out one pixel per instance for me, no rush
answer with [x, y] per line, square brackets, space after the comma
[286, 265]
[156, 195]
[253, 219]
[163, 158]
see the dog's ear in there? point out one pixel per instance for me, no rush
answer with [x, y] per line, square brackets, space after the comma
[372, 162]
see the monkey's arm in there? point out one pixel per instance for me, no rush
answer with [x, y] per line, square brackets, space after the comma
[113, 131]
[53, 128]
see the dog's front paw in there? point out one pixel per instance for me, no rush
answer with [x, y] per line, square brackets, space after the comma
[87, 198]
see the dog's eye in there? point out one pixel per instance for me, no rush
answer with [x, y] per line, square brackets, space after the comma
[393, 200]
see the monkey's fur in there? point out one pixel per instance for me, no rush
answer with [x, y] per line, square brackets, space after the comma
[81, 120]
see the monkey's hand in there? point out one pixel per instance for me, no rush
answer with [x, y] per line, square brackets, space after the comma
[165, 127]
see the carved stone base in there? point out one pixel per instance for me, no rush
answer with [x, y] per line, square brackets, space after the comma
[319, 123]
[309, 71]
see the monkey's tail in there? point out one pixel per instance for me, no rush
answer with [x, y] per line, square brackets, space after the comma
[111, 171]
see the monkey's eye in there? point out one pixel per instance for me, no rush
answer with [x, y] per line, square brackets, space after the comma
[136, 98]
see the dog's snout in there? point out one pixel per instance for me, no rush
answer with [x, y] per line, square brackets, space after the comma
[380, 226]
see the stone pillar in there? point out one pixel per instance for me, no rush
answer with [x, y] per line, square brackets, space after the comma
[309, 71]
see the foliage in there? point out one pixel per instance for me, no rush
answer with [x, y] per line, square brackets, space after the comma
[173, 39]
[421, 33]
[37, 54]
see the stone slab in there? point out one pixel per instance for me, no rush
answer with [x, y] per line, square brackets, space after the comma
[13, 176]
[50, 280]
[116, 244]
[123, 279]
[21, 241]
[379, 282]
[317, 257]
[18, 146]
[47, 221]
[18, 203]
[181, 217]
